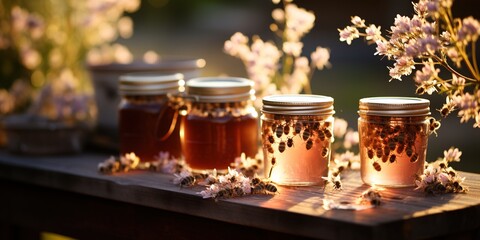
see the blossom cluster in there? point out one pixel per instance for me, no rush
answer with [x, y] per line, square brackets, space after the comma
[248, 166]
[280, 69]
[433, 39]
[52, 40]
[439, 178]
[163, 163]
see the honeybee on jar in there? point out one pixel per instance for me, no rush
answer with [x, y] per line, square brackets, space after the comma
[273, 160]
[271, 139]
[306, 134]
[414, 158]
[298, 127]
[274, 127]
[409, 150]
[270, 148]
[385, 158]
[281, 146]
[400, 148]
[309, 144]
[393, 158]
[316, 125]
[328, 134]
[379, 151]
[238, 191]
[370, 153]
[325, 151]
[290, 142]
[286, 129]
[321, 135]
[377, 166]
[279, 131]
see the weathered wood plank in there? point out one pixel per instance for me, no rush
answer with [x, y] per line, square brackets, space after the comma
[294, 210]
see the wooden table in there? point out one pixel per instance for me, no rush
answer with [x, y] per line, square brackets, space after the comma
[66, 195]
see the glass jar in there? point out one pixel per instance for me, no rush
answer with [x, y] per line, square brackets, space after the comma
[393, 139]
[149, 122]
[297, 132]
[221, 122]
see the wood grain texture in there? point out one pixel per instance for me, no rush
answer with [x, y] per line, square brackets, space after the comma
[404, 213]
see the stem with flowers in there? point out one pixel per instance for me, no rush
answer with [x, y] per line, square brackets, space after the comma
[435, 39]
[280, 69]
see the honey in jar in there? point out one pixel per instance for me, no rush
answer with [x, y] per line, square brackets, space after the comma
[221, 122]
[149, 122]
[297, 132]
[393, 139]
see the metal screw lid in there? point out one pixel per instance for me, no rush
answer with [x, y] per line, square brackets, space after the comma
[298, 104]
[150, 83]
[220, 89]
[394, 106]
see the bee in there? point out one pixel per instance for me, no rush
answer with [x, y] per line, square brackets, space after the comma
[400, 148]
[306, 134]
[309, 144]
[298, 127]
[337, 185]
[187, 181]
[409, 150]
[281, 146]
[401, 137]
[200, 176]
[384, 158]
[379, 152]
[397, 128]
[391, 144]
[370, 153]
[271, 188]
[255, 181]
[273, 160]
[316, 125]
[325, 152]
[271, 139]
[270, 148]
[238, 191]
[321, 135]
[392, 158]
[328, 134]
[289, 142]
[414, 158]
[279, 131]
[274, 127]
[386, 150]
[259, 188]
[286, 129]
[434, 125]
[377, 166]
[224, 193]
[326, 124]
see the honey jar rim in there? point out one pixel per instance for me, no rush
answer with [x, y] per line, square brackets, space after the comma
[149, 78]
[219, 89]
[394, 106]
[298, 104]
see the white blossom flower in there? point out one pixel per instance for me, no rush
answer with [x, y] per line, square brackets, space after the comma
[348, 34]
[339, 127]
[320, 57]
[298, 22]
[358, 22]
[373, 33]
[293, 48]
[351, 138]
[452, 155]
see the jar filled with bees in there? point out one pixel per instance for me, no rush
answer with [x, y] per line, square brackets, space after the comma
[393, 139]
[220, 124]
[297, 132]
[149, 122]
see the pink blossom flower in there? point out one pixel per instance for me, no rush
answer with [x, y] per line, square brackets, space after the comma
[373, 33]
[320, 57]
[348, 34]
[452, 155]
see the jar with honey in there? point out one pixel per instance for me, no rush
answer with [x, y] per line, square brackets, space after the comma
[297, 132]
[393, 139]
[221, 122]
[149, 122]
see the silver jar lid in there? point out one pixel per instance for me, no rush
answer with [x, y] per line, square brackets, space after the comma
[394, 106]
[298, 104]
[220, 89]
[150, 83]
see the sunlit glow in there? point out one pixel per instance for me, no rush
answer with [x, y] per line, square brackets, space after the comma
[151, 57]
[201, 63]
